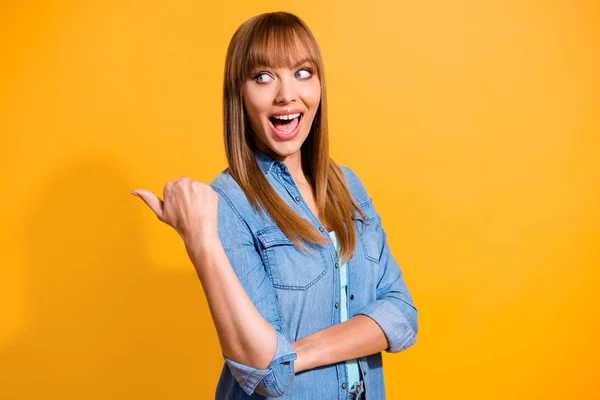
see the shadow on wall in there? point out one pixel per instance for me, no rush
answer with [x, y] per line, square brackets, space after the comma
[101, 322]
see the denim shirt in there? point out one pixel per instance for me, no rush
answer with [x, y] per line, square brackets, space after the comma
[299, 294]
[352, 368]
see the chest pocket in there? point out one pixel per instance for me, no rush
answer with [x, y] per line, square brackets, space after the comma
[369, 235]
[287, 265]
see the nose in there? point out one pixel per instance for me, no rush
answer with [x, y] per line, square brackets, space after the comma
[286, 92]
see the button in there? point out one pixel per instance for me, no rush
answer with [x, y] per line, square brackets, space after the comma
[282, 167]
[337, 305]
[343, 386]
[321, 229]
[337, 265]
[297, 198]
[351, 297]
[364, 373]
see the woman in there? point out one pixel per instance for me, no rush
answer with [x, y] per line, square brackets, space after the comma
[291, 253]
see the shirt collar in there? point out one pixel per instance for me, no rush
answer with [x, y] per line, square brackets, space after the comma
[264, 161]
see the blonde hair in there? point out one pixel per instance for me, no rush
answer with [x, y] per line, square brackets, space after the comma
[277, 40]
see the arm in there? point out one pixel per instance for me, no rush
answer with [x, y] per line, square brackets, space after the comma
[243, 333]
[340, 343]
[389, 323]
[246, 314]
[394, 309]
[252, 347]
[239, 294]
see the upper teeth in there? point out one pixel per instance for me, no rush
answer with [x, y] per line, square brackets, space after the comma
[287, 116]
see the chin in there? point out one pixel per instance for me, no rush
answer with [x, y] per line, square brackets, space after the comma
[285, 149]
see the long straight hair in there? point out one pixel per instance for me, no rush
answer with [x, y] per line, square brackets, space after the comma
[278, 39]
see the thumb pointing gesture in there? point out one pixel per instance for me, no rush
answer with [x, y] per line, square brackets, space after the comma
[151, 200]
[190, 207]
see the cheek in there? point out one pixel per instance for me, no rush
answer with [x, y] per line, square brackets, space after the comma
[253, 113]
[255, 102]
[312, 94]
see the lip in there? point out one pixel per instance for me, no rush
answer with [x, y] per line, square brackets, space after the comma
[286, 112]
[285, 136]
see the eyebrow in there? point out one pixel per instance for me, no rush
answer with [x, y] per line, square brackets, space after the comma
[303, 61]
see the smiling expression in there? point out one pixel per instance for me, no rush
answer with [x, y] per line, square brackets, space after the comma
[281, 104]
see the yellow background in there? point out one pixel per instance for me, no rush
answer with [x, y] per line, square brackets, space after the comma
[474, 126]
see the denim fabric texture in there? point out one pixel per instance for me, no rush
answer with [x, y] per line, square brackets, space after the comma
[352, 368]
[299, 293]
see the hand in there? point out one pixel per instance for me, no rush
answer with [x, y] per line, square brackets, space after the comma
[190, 207]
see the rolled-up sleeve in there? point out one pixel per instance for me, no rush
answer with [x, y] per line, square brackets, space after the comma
[272, 381]
[394, 309]
[239, 245]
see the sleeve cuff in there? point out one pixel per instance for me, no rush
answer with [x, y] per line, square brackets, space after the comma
[395, 326]
[273, 380]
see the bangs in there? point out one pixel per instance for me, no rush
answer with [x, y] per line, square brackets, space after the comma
[280, 45]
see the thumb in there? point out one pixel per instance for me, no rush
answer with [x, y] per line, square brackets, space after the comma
[151, 201]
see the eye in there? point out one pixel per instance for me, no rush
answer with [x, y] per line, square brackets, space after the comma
[303, 73]
[262, 77]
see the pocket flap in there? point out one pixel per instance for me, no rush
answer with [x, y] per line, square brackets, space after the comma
[288, 267]
[273, 236]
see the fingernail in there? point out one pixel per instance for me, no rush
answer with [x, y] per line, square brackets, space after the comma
[135, 194]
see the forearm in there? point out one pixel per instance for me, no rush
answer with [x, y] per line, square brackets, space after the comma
[245, 336]
[340, 343]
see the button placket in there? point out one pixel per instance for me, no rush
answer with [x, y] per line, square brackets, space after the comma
[290, 185]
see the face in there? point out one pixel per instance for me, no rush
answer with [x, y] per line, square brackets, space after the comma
[281, 104]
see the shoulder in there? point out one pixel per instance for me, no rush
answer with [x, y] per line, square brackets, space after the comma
[233, 202]
[227, 187]
[224, 182]
[229, 192]
[355, 185]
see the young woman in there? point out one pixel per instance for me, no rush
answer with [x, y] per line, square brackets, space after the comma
[302, 287]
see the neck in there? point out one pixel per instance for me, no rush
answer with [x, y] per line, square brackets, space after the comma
[293, 163]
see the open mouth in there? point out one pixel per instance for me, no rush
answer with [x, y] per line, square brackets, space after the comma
[286, 124]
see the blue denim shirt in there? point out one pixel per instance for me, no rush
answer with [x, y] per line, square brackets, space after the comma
[352, 367]
[299, 294]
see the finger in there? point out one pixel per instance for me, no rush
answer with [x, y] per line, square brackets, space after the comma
[168, 189]
[181, 178]
[151, 200]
